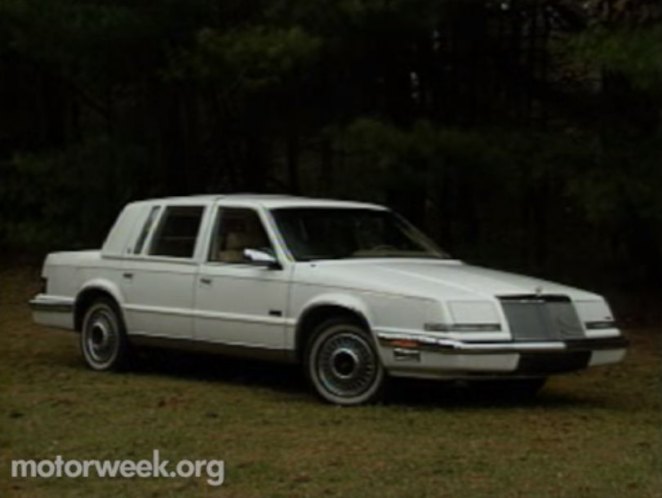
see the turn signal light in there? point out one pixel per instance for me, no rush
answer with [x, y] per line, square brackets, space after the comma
[404, 343]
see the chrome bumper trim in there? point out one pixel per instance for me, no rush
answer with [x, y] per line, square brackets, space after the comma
[51, 305]
[454, 346]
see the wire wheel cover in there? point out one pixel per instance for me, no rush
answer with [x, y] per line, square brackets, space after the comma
[346, 365]
[101, 336]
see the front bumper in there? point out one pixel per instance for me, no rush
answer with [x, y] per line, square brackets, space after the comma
[414, 355]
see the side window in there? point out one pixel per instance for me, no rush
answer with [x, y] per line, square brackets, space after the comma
[177, 232]
[237, 229]
[147, 227]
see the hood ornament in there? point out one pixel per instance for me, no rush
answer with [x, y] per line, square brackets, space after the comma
[538, 291]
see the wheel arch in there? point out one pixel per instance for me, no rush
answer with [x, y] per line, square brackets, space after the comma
[324, 309]
[89, 293]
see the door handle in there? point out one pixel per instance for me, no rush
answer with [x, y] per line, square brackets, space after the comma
[205, 281]
[127, 275]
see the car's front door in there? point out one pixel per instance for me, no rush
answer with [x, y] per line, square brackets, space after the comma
[237, 301]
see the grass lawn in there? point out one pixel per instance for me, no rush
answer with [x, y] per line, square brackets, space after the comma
[594, 434]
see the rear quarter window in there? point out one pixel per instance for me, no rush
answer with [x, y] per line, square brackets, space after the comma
[146, 229]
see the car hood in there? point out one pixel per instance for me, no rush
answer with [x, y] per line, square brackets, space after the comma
[430, 279]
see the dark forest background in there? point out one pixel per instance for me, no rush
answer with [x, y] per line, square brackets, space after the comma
[522, 134]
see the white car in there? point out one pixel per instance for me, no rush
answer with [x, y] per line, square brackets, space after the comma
[350, 290]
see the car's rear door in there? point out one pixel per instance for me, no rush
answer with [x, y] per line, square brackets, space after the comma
[158, 281]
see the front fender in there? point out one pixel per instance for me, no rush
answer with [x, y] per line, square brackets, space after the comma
[350, 302]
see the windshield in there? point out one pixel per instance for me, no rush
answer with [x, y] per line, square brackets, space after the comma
[338, 233]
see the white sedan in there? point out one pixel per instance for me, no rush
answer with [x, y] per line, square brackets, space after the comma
[350, 290]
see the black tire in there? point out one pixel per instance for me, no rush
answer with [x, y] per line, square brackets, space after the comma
[342, 364]
[103, 340]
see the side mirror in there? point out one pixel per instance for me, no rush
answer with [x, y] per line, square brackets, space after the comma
[262, 258]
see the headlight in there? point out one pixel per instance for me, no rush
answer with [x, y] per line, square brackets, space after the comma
[595, 314]
[468, 316]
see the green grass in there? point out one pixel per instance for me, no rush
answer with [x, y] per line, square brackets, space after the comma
[594, 434]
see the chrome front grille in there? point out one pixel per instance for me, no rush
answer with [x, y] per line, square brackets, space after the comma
[542, 318]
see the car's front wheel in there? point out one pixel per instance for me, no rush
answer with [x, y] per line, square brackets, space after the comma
[342, 363]
[103, 339]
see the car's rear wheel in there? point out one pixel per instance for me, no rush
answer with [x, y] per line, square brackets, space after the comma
[342, 363]
[103, 340]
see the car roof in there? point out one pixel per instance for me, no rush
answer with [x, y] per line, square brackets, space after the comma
[269, 201]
